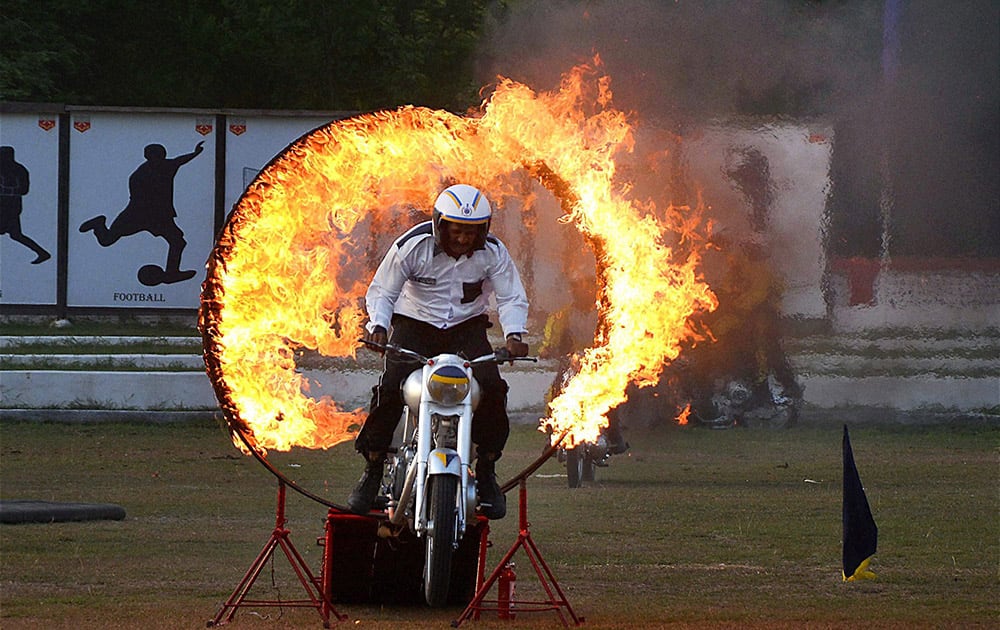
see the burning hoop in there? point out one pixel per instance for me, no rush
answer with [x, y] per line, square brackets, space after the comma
[290, 268]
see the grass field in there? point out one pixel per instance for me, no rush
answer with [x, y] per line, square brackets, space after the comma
[693, 528]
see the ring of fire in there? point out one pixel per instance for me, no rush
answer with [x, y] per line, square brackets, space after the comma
[291, 266]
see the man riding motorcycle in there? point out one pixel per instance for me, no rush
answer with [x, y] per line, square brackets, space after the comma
[747, 350]
[432, 292]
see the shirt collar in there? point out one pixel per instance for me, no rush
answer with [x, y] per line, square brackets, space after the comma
[440, 250]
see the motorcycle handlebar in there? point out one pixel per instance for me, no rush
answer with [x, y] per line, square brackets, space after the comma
[394, 349]
[502, 355]
[499, 355]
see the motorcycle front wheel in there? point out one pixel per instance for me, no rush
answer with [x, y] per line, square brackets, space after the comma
[579, 466]
[443, 511]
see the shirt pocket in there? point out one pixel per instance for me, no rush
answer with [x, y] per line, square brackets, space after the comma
[471, 291]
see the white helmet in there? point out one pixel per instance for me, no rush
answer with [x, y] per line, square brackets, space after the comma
[465, 204]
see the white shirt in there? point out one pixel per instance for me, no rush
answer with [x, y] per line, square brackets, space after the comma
[419, 280]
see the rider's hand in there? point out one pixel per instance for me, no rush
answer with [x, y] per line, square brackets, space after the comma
[377, 336]
[515, 346]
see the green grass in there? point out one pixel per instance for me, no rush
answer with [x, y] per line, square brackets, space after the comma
[155, 346]
[155, 326]
[693, 528]
[104, 363]
[874, 351]
[882, 333]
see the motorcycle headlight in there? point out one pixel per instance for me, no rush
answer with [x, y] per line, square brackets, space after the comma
[448, 385]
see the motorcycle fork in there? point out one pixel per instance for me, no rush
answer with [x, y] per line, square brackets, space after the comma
[420, 482]
[465, 505]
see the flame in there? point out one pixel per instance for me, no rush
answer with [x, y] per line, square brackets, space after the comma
[291, 267]
[684, 415]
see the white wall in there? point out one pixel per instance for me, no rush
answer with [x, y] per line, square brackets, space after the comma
[251, 142]
[105, 147]
[921, 298]
[798, 158]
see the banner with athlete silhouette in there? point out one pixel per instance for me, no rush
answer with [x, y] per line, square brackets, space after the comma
[141, 208]
[29, 208]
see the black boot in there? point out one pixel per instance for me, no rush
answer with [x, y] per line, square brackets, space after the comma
[492, 502]
[363, 496]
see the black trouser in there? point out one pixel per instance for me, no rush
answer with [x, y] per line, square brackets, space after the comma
[490, 425]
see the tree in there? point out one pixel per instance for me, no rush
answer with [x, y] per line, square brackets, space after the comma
[297, 54]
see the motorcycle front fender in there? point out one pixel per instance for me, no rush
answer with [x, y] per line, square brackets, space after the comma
[444, 461]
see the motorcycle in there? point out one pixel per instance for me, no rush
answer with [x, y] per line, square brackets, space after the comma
[430, 488]
[735, 402]
[584, 458]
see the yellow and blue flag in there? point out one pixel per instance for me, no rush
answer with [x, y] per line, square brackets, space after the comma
[860, 531]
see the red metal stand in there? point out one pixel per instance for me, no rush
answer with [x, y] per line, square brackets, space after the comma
[505, 606]
[279, 538]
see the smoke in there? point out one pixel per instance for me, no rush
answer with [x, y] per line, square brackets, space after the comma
[682, 59]
[911, 91]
